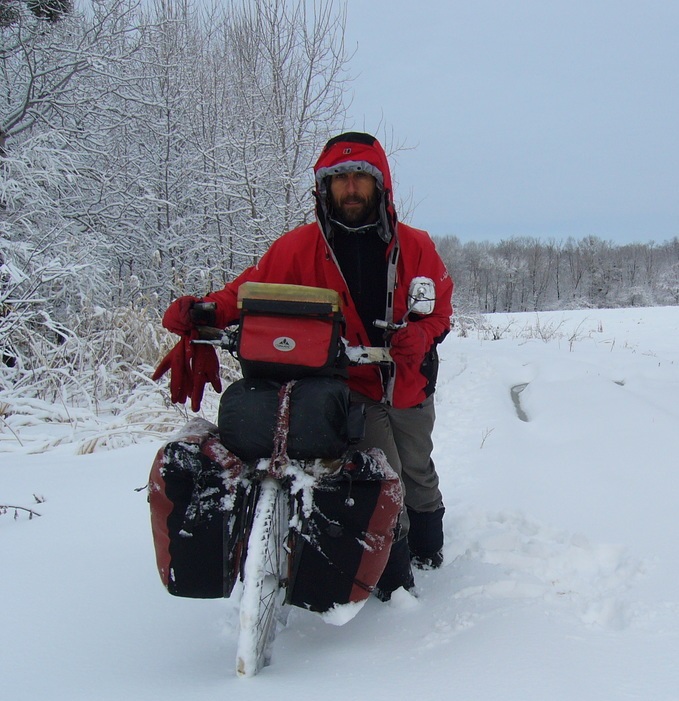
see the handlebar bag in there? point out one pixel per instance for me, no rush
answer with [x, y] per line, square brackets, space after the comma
[289, 331]
[196, 494]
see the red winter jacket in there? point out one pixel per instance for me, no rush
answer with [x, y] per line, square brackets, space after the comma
[304, 257]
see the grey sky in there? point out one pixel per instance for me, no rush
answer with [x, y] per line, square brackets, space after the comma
[544, 118]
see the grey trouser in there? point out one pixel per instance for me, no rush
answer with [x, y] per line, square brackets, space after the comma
[405, 437]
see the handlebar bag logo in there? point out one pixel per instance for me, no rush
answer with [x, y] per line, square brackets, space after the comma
[285, 344]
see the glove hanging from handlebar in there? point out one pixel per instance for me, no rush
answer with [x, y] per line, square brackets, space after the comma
[409, 344]
[191, 367]
[205, 369]
[178, 362]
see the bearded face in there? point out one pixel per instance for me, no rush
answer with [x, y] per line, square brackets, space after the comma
[354, 198]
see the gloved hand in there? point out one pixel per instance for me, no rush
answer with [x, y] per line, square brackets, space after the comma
[409, 344]
[191, 366]
[177, 317]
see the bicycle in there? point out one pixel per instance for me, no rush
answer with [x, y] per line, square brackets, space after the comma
[267, 533]
[273, 532]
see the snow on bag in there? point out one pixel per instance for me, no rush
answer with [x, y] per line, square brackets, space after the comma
[196, 493]
[345, 541]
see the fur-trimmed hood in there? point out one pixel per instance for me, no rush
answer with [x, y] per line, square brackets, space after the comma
[350, 152]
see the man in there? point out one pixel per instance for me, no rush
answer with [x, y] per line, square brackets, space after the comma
[358, 248]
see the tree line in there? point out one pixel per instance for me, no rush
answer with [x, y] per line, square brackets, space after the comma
[528, 274]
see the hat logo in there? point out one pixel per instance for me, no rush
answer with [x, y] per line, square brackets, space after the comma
[346, 151]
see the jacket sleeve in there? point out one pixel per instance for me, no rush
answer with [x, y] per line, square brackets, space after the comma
[437, 324]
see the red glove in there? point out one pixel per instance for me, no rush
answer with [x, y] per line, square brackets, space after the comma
[191, 367]
[409, 344]
[178, 362]
[177, 317]
[205, 369]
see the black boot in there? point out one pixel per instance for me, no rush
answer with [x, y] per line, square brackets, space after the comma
[397, 573]
[425, 538]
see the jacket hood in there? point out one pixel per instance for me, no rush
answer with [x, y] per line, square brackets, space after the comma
[355, 151]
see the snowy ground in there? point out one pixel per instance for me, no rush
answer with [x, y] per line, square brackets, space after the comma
[561, 578]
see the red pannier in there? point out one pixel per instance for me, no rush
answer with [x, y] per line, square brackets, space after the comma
[196, 496]
[288, 331]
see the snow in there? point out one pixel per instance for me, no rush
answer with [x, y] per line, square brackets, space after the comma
[561, 571]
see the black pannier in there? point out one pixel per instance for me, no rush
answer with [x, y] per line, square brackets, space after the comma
[196, 496]
[345, 540]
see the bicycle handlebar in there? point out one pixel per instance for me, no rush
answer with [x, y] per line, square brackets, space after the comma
[223, 338]
[368, 355]
[357, 355]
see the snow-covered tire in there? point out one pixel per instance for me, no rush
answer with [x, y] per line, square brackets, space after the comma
[263, 576]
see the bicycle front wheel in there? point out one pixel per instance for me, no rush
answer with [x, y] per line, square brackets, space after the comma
[264, 576]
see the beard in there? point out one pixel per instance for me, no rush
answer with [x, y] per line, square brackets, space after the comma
[355, 211]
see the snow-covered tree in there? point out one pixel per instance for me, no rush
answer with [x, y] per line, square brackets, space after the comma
[151, 149]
